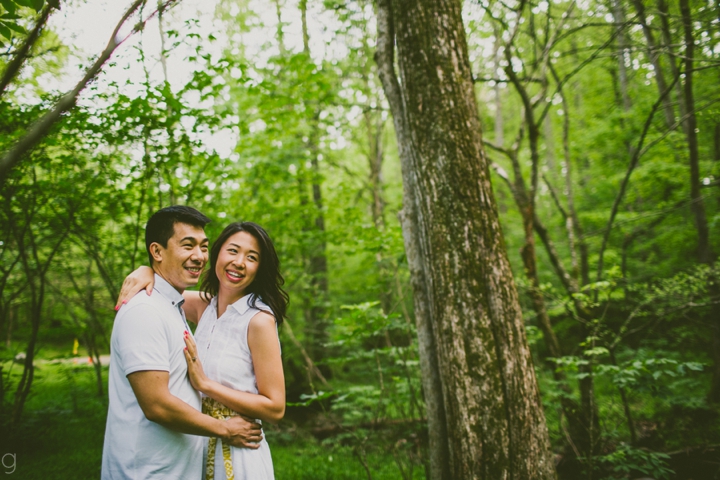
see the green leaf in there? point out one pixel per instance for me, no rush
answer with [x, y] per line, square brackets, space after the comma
[8, 5]
[596, 351]
[5, 31]
[15, 27]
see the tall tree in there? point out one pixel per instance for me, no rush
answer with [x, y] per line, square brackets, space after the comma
[490, 394]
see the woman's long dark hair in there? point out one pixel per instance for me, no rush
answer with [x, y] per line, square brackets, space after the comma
[268, 281]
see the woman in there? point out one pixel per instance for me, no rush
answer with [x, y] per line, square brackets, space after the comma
[235, 359]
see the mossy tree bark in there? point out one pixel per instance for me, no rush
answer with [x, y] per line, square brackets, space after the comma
[490, 400]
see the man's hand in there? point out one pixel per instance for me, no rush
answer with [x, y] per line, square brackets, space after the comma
[243, 433]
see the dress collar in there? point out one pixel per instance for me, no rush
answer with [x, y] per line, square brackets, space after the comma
[241, 306]
[168, 291]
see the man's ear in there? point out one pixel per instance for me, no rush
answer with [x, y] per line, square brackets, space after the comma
[156, 250]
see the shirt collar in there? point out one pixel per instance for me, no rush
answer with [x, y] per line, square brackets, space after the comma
[168, 291]
[241, 306]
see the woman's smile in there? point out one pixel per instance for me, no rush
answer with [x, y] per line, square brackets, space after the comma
[233, 276]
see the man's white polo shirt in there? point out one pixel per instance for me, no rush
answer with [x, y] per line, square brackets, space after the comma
[148, 335]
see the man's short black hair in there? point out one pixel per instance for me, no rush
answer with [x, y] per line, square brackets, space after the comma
[161, 225]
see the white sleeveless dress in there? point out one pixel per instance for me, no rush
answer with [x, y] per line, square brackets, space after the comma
[225, 355]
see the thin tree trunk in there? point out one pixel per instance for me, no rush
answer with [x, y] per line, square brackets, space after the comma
[8, 334]
[714, 395]
[619, 16]
[653, 54]
[280, 35]
[583, 420]
[668, 48]
[491, 398]
[375, 127]
[578, 246]
[316, 323]
[697, 205]
[303, 17]
[499, 123]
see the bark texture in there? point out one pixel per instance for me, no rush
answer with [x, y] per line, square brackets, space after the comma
[438, 452]
[495, 423]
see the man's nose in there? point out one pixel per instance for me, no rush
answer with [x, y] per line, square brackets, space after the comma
[199, 254]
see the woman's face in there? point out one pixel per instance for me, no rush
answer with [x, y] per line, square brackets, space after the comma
[238, 263]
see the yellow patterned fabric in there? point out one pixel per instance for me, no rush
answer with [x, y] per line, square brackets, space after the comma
[217, 410]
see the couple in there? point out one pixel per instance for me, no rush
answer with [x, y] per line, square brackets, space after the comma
[158, 369]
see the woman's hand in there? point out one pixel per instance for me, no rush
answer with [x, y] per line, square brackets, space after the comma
[142, 278]
[196, 374]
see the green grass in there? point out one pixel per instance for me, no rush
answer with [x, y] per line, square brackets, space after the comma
[61, 434]
[61, 437]
[312, 461]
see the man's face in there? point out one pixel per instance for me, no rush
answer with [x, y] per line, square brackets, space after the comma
[183, 260]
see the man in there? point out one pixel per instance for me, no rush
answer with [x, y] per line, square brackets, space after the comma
[154, 416]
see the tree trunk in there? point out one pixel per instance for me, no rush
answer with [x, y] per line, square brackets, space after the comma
[375, 127]
[438, 448]
[315, 311]
[697, 205]
[499, 123]
[491, 397]
[619, 16]
[668, 47]
[714, 396]
[653, 54]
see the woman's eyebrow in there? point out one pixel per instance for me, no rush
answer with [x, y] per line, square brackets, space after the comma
[239, 248]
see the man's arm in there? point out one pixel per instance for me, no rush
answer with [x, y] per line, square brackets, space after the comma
[162, 407]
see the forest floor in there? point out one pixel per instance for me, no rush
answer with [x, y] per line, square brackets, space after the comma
[61, 436]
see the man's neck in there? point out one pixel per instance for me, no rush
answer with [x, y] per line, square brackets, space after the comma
[158, 271]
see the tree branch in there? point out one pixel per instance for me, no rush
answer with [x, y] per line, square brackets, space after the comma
[638, 152]
[21, 54]
[43, 126]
